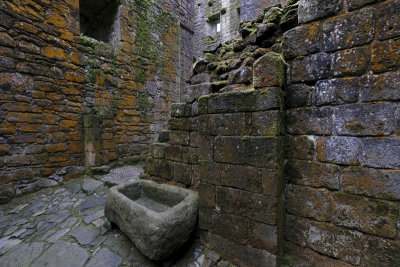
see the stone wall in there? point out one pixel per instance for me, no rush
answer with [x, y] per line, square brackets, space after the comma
[51, 76]
[342, 125]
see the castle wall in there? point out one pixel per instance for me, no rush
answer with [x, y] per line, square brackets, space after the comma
[69, 102]
[342, 125]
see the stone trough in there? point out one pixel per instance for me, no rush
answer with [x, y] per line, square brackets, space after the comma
[157, 218]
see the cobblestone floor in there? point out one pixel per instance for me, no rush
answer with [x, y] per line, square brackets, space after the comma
[65, 226]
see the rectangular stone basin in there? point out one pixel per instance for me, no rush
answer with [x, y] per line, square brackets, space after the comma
[158, 218]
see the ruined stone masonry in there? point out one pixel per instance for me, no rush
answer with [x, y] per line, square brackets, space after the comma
[287, 124]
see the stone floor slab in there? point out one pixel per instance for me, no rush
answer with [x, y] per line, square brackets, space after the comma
[104, 257]
[63, 254]
[84, 234]
[22, 255]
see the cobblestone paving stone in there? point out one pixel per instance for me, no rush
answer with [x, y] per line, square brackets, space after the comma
[65, 226]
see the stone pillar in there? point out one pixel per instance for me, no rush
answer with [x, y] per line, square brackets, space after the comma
[241, 168]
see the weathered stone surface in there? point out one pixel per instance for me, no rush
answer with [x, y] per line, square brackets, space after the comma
[200, 78]
[254, 151]
[381, 251]
[381, 87]
[269, 71]
[314, 174]
[349, 30]
[22, 255]
[336, 91]
[298, 95]
[355, 4]
[381, 153]
[300, 147]
[266, 123]
[164, 216]
[195, 91]
[90, 185]
[312, 10]
[251, 100]
[351, 62]
[294, 44]
[309, 121]
[310, 68]
[364, 120]
[372, 216]
[181, 110]
[385, 55]
[388, 20]
[241, 254]
[371, 182]
[250, 205]
[241, 76]
[309, 202]
[342, 150]
[104, 257]
[63, 253]
[84, 234]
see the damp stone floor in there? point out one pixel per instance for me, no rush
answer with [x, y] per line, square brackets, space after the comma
[65, 226]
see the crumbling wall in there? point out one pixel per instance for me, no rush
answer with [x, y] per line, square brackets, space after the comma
[51, 76]
[229, 13]
[342, 125]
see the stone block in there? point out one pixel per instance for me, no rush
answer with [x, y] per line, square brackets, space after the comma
[294, 44]
[381, 252]
[182, 173]
[309, 121]
[300, 256]
[366, 119]
[316, 9]
[193, 92]
[181, 110]
[300, 147]
[381, 87]
[229, 124]
[152, 166]
[200, 78]
[341, 150]
[240, 254]
[203, 105]
[351, 62]
[166, 170]
[206, 148]
[337, 91]
[356, 4]
[385, 55]
[206, 195]
[336, 242]
[313, 174]
[263, 236]
[349, 30]
[194, 139]
[241, 76]
[382, 184]
[296, 229]
[251, 100]
[388, 20]
[310, 68]
[173, 152]
[381, 153]
[157, 150]
[163, 137]
[179, 138]
[377, 217]
[298, 95]
[314, 203]
[254, 151]
[180, 124]
[266, 123]
[250, 205]
[269, 71]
